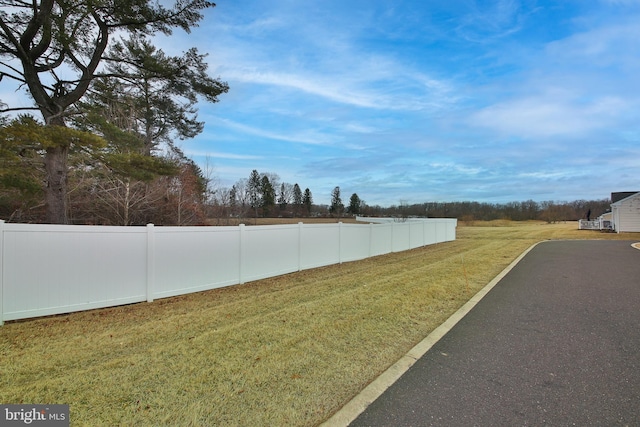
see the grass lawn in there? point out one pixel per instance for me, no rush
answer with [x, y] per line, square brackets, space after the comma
[286, 351]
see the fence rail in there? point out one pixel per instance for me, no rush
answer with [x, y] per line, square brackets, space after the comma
[54, 269]
[596, 224]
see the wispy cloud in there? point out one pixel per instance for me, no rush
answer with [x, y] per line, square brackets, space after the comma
[310, 85]
[486, 21]
[621, 2]
[569, 89]
[325, 57]
[610, 44]
[382, 85]
[549, 116]
[220, 155]
[306, 137]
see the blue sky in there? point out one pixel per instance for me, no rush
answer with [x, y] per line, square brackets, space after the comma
[415, 101]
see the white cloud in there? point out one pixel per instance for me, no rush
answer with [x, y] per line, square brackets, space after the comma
[383, 86]
[575, 86]
[612, 44]
[484, 23]
[305, 137]
[360, 128]
[324, 61]
[311, 85]
[548, 116]
[621, 2]
[219, 155]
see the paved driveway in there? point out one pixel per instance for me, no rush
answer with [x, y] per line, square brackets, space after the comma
[555, 342]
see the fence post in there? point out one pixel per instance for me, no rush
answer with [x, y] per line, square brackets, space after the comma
[300, 225]
[393, 236]
[1, 272]
[240, 263]
[425, 227]
[340, 242]
[151, 262]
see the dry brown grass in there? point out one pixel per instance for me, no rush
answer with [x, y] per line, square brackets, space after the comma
[288, 351]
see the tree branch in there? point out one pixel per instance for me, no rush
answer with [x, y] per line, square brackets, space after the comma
[88, 71]
[7, 110]
[40, 19]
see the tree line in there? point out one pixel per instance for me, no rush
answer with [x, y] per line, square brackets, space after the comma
[549, 211]
[264, 195]
[257, 196]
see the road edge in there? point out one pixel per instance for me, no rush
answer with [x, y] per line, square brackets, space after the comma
[349, 412]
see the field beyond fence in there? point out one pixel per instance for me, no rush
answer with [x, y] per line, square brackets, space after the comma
[288, 350]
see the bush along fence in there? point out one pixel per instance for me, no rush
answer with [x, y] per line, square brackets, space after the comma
[55, 269]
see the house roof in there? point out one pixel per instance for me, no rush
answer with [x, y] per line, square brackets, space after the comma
[623, 196]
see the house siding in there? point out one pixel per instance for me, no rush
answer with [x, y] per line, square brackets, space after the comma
[626, 214]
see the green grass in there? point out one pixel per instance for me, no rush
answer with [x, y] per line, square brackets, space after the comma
[287, 351]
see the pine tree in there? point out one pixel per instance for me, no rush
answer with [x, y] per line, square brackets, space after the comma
[254, 190]
[336, 208]
[55, 49]
[22, 140]
[282, 198]
[355, 205]
[268, 195]
[297, 199]
[307, 201]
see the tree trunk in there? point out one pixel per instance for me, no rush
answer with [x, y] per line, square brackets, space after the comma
[127, 202]
[55, 165]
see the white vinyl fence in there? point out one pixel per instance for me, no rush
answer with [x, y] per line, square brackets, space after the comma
[53, 269]
[595, 224]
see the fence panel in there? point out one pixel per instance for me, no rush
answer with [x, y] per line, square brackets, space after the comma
[401, 236]
[441, 231]
[319, 245]
[192, 259]
[583, 224]
[430, 234]
[355, 241]
[381, 239]
[269, 251]
[416, 234]
[450, 227]
[50, 269]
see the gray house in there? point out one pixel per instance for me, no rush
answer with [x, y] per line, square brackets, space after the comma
[625, 211]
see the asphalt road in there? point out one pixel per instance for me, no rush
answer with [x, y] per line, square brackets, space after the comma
[555, 342]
